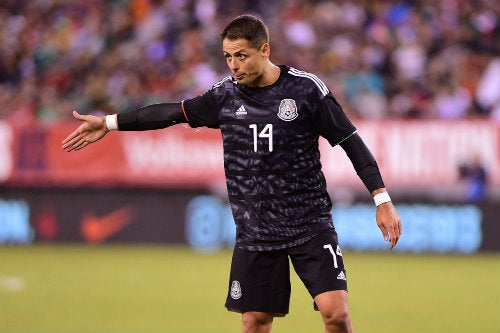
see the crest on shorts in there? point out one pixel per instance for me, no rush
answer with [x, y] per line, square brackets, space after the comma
[288, 110]
[235, 290]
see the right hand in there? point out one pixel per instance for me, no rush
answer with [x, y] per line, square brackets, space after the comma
[92, 129]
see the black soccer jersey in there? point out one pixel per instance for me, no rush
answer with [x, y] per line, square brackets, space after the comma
[276, 188]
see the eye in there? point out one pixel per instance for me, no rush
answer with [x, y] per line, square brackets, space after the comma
[242, 56]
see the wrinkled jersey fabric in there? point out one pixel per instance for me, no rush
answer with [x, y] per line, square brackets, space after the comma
[277, 191]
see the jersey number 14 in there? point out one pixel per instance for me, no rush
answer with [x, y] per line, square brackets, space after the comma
[266, 132]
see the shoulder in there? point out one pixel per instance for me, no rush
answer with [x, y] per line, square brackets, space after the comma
[225, 83]
[223, 88]
[309, 80]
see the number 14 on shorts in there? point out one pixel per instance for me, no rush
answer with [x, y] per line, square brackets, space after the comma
[335, 253]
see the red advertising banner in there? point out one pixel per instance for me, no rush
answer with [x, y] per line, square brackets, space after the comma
[411, 155]
[417, 154]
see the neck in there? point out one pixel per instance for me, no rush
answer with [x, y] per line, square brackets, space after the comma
[269, 76]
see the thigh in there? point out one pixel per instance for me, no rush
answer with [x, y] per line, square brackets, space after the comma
[332, 302]
[319, 264]
[334, 310]
[259, 281]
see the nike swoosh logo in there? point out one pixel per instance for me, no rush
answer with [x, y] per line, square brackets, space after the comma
[97, 229]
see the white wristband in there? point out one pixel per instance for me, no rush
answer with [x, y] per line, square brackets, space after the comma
[112, 122]
[381, 198]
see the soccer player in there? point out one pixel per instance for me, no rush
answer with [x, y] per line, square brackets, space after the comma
[271, 118]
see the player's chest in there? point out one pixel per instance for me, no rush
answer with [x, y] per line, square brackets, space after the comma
[265, 125]
[283, 110]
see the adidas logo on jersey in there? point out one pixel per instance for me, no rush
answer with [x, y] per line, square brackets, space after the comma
[241, 111]
[341, 276]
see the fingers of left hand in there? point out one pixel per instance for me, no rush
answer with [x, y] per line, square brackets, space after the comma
[395, 233]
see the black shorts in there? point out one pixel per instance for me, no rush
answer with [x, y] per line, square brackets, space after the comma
[260, 281]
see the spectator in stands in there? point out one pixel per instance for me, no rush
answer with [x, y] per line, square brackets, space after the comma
[475, 178]
[107, 56]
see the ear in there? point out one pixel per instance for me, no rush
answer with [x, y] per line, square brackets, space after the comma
[265, 50]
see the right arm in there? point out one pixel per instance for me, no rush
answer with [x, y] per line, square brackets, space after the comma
[151, 117]
[92, 129]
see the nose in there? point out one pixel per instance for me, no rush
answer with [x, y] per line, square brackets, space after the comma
[233, 64]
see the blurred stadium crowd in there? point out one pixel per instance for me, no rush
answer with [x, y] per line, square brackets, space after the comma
[399, 59]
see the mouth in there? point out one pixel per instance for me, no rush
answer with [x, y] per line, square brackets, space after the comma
[239, 77]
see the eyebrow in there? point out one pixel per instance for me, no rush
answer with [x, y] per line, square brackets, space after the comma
[235, 52]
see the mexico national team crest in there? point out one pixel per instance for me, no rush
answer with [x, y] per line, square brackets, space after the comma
[235, 290]
[288, 110]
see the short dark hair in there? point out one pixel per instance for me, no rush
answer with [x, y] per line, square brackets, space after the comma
[248, 27]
